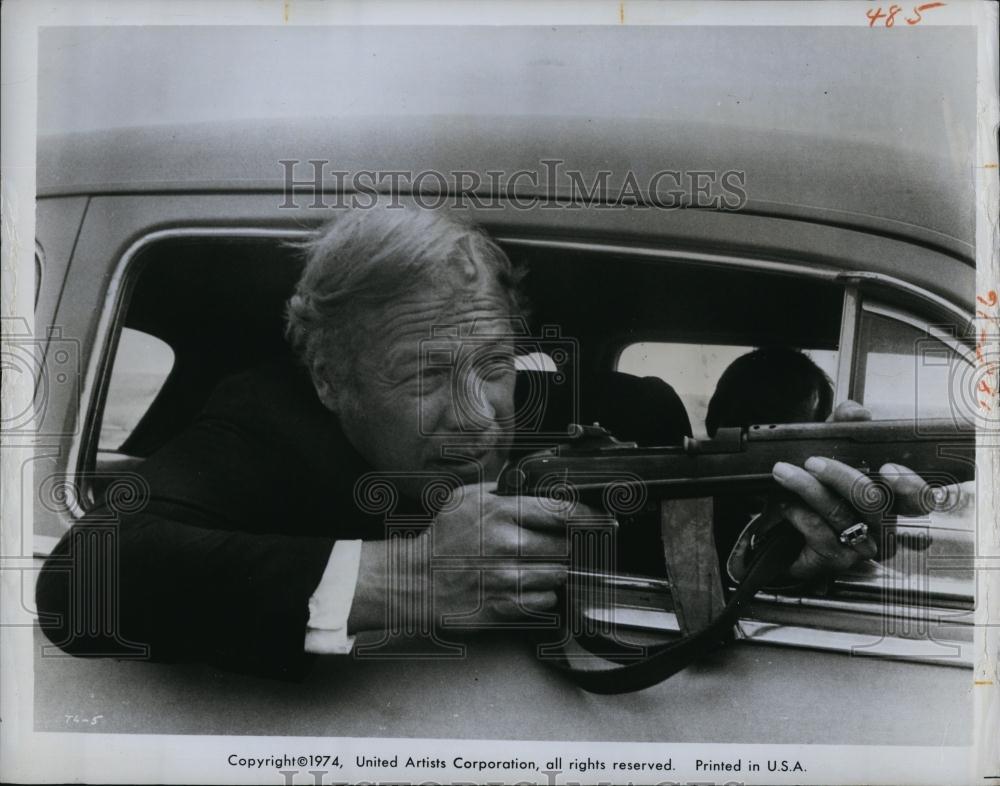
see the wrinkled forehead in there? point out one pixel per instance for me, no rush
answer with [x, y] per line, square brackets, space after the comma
[401, 327]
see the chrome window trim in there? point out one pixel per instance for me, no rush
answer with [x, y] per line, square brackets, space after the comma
[958, 314]
[647, 252]
[654, 593]
[869, 607]
[843, 388]
[39, 270]
[888, 647]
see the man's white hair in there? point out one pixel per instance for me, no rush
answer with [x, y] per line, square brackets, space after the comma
[364, 259]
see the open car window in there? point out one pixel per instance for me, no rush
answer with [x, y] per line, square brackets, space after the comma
[141, 366]
[694, 369]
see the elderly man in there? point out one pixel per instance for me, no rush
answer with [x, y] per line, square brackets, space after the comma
[264, 539]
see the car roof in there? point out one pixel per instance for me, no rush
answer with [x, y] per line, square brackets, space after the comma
[802, 176]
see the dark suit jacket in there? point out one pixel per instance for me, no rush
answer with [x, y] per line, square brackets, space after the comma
[244, 508]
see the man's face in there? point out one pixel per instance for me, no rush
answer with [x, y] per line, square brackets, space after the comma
[434, 405]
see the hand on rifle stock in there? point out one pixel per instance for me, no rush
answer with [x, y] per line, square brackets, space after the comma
[833, 500]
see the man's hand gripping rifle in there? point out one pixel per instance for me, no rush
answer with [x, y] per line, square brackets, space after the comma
[682, 481]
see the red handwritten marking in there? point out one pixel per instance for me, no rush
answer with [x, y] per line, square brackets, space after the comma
[875, 14]
[918, 9]
[984, 386]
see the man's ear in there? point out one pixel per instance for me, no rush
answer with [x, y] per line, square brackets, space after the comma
[325, 387]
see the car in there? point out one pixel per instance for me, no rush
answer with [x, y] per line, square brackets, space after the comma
[166, 254]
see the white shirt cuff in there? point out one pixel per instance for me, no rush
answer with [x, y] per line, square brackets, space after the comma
[330, 604]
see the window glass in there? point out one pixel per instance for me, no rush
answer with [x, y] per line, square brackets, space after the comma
[142, 364]
[903, 371]
[694, 369]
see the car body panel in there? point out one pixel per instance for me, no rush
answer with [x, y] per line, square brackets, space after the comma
[58, 223]
[824, 179]
[501, 690]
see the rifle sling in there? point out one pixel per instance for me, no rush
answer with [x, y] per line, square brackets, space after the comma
[780, 548]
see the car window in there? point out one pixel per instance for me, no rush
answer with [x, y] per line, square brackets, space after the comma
[902, 370]
[535, 361]
[141, 366]
[694, 369]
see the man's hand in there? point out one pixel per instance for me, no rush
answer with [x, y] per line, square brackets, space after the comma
[475, 530]
[526, 534]
[835, 497]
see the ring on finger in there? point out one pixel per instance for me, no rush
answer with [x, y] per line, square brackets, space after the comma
[854, 535]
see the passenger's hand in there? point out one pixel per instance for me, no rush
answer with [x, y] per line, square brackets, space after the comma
[835, 497]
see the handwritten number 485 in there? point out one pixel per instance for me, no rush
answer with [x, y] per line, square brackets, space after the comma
[876, 14]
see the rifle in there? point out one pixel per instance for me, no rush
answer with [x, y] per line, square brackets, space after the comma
[630, 481]
[739, 460]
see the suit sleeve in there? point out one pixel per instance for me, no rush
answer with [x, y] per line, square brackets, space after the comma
[215, 568]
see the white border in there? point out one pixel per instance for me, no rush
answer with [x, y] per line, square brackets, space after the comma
[986, 701]
[27, 756]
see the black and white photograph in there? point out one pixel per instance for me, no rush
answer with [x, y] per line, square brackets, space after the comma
[500, 392]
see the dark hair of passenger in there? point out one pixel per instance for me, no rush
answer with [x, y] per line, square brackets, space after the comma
[770, 385]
